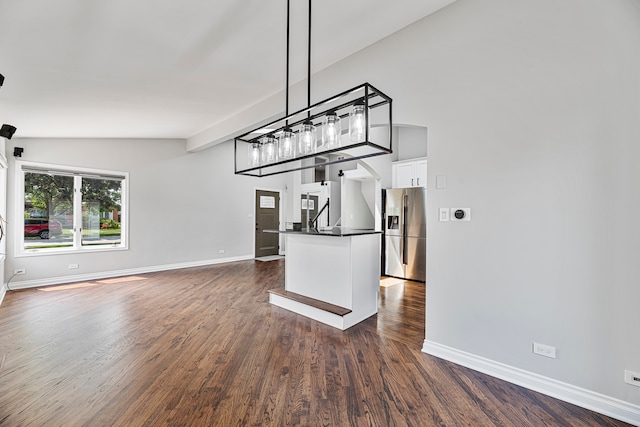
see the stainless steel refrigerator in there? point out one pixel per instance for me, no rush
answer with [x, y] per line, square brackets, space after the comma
[405, 233]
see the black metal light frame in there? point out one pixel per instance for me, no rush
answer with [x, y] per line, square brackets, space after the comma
[378, 114]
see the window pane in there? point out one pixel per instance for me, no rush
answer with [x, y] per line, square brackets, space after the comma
[101, 205]
[47, 200]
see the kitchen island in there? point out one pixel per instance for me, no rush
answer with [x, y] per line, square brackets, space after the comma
[331, 275]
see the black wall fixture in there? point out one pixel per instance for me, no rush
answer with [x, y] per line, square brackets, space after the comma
[17, 151]
[1, 80]
[7, 131]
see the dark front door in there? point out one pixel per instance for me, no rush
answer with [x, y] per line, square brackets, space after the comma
[267, 218]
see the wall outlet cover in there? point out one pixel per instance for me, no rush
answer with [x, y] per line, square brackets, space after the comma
[544, 350]
[632, 378]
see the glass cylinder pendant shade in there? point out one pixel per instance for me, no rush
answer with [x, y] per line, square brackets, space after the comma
[357, 123]
[269, 149]
[286, 144]
[331, 129]
[254, 154]
[307, 138]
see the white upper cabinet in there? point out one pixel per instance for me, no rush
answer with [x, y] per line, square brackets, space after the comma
[409, 173]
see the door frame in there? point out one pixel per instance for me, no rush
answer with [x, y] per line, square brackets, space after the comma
[280, 218]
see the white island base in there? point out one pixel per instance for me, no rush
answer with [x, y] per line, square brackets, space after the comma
[341, 272]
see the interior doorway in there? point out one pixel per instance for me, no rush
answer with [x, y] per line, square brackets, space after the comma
[312, 205]
[267, 218]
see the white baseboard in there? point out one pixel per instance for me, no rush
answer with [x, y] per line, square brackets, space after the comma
[125, 272]
[612, 407]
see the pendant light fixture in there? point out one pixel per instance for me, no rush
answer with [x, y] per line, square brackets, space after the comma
[307, 138]
[307, 133]
[331, 130]
[269, 149]
[286, 140]
[287, 144]
[253, 157]
[295, 143]
[357, 123]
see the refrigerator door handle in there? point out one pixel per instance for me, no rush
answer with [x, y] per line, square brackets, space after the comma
[405, 203]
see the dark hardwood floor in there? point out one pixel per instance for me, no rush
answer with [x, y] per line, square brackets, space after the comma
[203, 347]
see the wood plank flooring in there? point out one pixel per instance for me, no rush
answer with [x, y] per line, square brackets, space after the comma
[203, 347]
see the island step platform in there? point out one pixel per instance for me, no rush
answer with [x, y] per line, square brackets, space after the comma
[322, 311]
[315, 303]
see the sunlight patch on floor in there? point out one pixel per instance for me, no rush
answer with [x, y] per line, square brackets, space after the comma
[122, 279]
[65, 287]
[386, 282]
[90, 284]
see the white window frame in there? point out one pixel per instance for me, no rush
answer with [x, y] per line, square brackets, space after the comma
[77, 172]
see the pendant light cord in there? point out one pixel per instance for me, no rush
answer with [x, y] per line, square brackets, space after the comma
[286, 108]
[309, 65]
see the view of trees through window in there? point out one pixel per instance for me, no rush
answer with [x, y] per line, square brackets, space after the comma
[101, 211]
[63, 210]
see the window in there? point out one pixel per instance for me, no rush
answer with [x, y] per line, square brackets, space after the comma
[70, 209]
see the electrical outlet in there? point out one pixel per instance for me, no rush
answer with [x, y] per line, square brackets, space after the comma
[20, 271]
[221, 251]
[544, 350]
[632, 378]
[73, 266]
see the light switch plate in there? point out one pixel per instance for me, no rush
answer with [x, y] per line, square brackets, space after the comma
[441, 182]
[444, 214]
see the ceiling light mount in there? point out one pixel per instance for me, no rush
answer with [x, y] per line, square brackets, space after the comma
[298, 145]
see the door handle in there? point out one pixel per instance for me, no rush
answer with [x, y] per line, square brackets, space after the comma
[405, 208]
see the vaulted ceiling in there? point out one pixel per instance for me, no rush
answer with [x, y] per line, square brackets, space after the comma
[169, 69]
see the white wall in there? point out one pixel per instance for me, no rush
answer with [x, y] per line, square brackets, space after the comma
[356, 212]
[412, 142]
[184, 207]
[532, 109]
[532, 113]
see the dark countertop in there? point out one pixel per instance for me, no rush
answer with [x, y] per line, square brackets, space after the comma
[328, 231]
